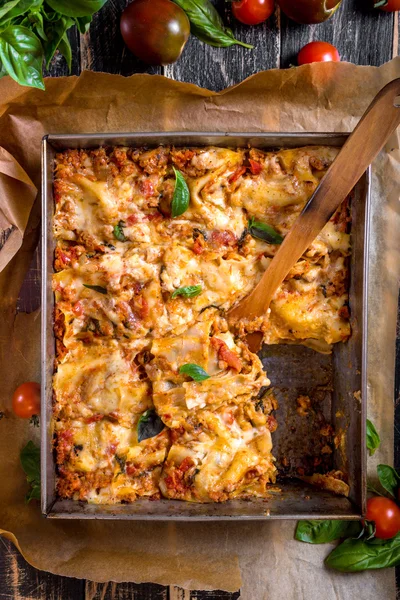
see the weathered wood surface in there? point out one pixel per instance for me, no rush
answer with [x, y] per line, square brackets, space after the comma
[362, 36]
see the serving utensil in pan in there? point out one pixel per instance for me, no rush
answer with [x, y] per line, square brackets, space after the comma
[379, 121]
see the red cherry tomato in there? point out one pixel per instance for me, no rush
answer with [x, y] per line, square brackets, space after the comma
[317, 52]
[391, 6]
[156, 31]
[26, 400]
[252, 12]
[386, 515]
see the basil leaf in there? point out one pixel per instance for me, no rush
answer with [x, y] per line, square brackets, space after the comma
[358, 555]
[119, 232]
[21, 54]
[33, 494]
[207, 25]
[65, 48]
[321, 532]
[30, 461]
[373, 439]
[388, 478]
[194, 371]
[149, 425]
[35, 21]
[181, 197]
[83, 23]
[15, 8]
[76, 8]
[121, 460]
[190, 291]
[6, 9]
[55, 33]
[96, 288]
[264, 232]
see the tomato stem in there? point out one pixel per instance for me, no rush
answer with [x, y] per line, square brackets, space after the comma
[380, 3]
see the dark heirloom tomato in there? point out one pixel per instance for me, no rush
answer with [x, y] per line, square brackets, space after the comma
[156, 31]
[309, 11]
[252, 12]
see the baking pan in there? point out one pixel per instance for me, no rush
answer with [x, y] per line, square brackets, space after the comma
[335, 383]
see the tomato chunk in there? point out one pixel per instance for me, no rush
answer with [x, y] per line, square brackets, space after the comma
[238, 173]
[255, 167]
[231, 358]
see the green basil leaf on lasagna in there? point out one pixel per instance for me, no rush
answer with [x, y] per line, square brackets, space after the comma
[181, 197]
[189, 291]
[119, 232]
[194, 371]
[149, 425]
[96, 288]
[264, 232]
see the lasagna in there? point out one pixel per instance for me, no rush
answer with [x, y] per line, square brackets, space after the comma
[154, 394]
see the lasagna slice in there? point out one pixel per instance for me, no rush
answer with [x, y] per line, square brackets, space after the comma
[104, 463]
[220, 455]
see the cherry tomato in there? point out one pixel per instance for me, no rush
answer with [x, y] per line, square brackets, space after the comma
[391, 6]
[26, 400]
[309, 11]
[156, 31]
[386, 515]
[252, 12]
[317, 52]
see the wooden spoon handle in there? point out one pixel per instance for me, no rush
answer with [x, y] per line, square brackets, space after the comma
[379, 121]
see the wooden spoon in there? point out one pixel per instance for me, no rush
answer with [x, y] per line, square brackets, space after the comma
[362, 146]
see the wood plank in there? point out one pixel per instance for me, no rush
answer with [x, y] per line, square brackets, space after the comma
[362, 34]
[103, 49]
[125, 591]
[214, 595]
[29, 295]
[20, 581]
[218, 68]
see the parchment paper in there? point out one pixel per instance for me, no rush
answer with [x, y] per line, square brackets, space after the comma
[260, 558]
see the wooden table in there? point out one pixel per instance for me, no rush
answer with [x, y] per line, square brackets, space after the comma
[362, 36]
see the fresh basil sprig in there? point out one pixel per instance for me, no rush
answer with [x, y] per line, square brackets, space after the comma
[207, 25]
[149, 425]
[96, 288]
[322, 532]
[389, 479]
[359, 555]
[194, 371]
[181, 197]
[264, 232]
[31, 31]
[30, 461]
[189, 291]
[373, 439]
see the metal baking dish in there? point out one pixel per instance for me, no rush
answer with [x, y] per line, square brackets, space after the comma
[333, 381]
